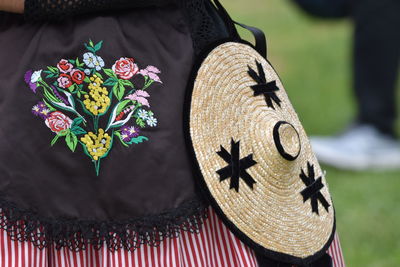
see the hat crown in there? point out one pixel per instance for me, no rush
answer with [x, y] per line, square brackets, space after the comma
[254, 155]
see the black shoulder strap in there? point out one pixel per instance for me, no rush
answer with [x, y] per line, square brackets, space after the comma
[259, 36]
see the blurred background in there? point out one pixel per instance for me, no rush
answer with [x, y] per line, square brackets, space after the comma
[313, 58]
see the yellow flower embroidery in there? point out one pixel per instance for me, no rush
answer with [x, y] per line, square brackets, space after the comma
[97, 101]
[97, 145]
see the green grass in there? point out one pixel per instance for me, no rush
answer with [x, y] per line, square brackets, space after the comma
[313, 58]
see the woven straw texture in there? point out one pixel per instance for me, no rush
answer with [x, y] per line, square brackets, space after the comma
[223, 106]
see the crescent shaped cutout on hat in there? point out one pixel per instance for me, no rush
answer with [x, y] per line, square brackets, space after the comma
[254, 158]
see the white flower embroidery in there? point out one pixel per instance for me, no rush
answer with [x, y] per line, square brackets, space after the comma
[89, 59]
[93, 61]
[152, 122]
[36, 76]
[143, 114]
[99, 64]
[35, 108]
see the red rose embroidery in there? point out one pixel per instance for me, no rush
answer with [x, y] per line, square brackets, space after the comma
[64, 66]
[64, 81]
[58, 121]
[77, 76]
[125, 68]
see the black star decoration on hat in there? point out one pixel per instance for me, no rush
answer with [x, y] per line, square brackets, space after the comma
[312, 191]
[268, 89]
[237, 167]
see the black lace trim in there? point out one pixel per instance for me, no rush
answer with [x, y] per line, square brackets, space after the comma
[206, 25]
[25, 225]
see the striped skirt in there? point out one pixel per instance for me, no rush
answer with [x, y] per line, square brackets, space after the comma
[215, 246]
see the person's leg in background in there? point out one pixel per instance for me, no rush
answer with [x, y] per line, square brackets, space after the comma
[369, 142]
[376, 61]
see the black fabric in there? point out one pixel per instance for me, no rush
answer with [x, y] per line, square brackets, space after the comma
[61, 9]
[228, 22]
[141, 188]
[205, 23]
[376, 61]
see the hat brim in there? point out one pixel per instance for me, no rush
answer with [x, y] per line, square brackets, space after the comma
[224, 115]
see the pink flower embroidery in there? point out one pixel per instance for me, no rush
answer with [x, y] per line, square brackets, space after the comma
[125, 68]
[64, 66]
[58, 121]
[64, 81]
[151, 72]
[140, 97]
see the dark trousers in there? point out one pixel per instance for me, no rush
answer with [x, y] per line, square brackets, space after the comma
[376, 61]
[376, 54]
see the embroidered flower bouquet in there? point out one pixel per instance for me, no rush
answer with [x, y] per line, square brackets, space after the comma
[90, 105]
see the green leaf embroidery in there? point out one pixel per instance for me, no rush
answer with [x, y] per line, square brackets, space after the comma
[126, 83]
[77, 130]
[78, 64]
[53, 69]
[50, 96]
[72, 141]
[72, 88]
[138, 140]
[48, 105]
[140, 123]
[122, 105]
[91, 49]
[97, 47]
[91, 43]
[87, 80]
[61, 133]
[99, 75]
[54, 140]
[77, 121]
[119, 91]
[110, 82]
[110, 73]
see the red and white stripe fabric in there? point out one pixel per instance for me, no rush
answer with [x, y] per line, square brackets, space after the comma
[215, 246]
[335, 250]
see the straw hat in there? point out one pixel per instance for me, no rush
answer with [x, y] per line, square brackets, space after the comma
[254, 157]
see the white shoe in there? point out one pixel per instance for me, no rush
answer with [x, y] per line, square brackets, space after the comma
[362, 147]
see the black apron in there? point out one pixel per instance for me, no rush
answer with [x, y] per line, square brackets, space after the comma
[92, 146]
